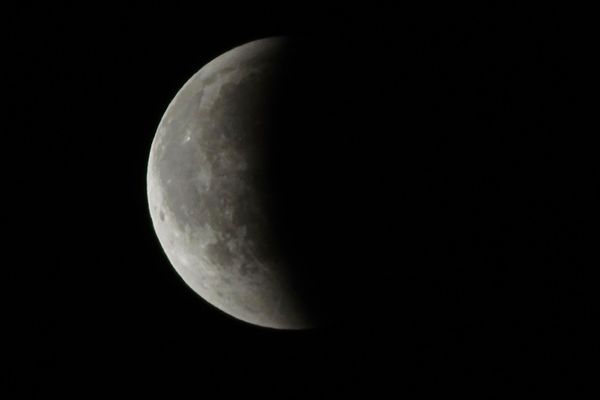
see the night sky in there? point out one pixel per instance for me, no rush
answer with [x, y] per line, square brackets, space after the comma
[447, 182]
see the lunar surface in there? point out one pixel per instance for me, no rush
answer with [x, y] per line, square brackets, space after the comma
[206, 191]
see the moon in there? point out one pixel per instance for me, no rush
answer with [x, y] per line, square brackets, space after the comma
[206, 188]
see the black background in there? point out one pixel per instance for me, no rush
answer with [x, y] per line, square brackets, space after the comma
[438, 179]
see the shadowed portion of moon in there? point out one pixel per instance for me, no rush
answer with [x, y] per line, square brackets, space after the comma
[209, 187]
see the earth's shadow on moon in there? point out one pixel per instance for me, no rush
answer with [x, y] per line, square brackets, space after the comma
[358, 169]
[321, 192]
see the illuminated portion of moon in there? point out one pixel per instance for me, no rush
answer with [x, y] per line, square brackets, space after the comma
[206, 188]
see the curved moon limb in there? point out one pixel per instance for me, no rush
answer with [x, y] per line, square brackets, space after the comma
[205, 188]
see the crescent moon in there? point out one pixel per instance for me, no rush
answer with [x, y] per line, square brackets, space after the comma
[205, 193]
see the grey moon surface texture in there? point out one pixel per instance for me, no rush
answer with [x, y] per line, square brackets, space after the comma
[206, 199]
